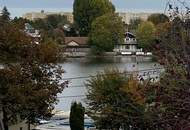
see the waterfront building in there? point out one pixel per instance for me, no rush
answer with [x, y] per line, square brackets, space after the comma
[129, 47]
[76, 46]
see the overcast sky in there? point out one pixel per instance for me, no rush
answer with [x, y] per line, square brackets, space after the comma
[18, 7]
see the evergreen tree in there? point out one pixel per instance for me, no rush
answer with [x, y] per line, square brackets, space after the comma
[5, 15]
[77, 116]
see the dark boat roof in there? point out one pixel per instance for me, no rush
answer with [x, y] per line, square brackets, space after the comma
[130, 35]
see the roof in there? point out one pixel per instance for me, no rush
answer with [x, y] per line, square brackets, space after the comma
[129, 34]
[78, 40]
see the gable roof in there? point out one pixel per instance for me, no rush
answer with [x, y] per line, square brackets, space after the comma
[79, 40]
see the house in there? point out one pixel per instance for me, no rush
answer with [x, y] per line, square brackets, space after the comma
[33, 33]
[129, 47]
[76, 46]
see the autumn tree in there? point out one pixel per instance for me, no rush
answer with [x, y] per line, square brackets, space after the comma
[146, 35]
[86, 11]
[172, 100]
[106, 31]
[116, 100]
[76, 118]
[31, 80]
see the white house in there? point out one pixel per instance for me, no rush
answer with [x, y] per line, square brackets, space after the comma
[129, 47]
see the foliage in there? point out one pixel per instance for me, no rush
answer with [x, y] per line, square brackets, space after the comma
[52, 28]
[77, 116]
[86, 11]
[20, 22]
[134, 23]
[172, 100]
[116, 100]
[51, 22]
[5, 15]
[106, 31]
[12, 42]
[146, 35]
[29, 87]
[158, 18]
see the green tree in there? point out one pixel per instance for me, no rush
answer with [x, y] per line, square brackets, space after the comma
[5, 15]
[158, 18]
[146, 35]
[107, 30]
[133, 24]
[50, 22]
[86, 11]
[77, 116]
[116, 100]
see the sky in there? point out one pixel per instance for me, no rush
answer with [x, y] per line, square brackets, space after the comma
[19, 7]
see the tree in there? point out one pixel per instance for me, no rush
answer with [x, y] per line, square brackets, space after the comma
[20, 22]
[116, 100]
[12, 42]
[5, 15]
[158, 18]
[29, 87]
[86, 11]
[107, 30]
[76, 118]
[172, 100]
[50, 22]
[146, 35]
[133, 24]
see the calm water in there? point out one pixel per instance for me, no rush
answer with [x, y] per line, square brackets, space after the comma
[78, 67]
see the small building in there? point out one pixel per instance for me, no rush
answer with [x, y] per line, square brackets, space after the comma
[33, 33]
[76, 46]
[129, 47]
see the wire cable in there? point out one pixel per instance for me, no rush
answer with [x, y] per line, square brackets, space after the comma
[127, 73]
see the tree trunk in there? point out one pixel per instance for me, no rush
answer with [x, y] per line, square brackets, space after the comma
[28, 125]
[5, 119]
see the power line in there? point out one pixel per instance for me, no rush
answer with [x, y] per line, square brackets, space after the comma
[71, 96]
[127, 73]
[80, 86]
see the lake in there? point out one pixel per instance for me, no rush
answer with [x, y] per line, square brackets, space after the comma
[76, 68]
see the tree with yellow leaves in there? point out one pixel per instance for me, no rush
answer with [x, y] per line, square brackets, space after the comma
[116, 100]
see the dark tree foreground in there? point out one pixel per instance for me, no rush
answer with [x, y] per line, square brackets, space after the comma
[30, 79]
[77, 116]
[173, 95]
